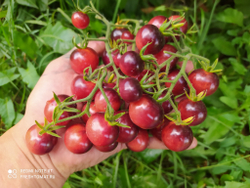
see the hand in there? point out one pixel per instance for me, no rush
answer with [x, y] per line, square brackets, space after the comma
[57, 78]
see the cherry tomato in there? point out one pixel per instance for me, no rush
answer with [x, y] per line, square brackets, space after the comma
[113, 97]
[39, 144]
[100, 132]
[167, 107]
[130, 89]
[80, 59]
[109, 85]
[158, 21]
[126, 134]
[81, 88]
[80, 20]
[177, 137]
[183, 28]
[140, 142]
[76, 140]
[116, 58]
[131, 63]
[146, 112]
[51, 105]
[156, 132]
[161, 57]
[92, 110]
[107, 148]
[127, 36]
[150, 33]
[181, 84]
[117, 33]
[140, 76]
[190, 108]
[204, 81]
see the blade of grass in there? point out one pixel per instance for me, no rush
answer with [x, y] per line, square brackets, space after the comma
[204, 33]
[117, 162]
[116, 10]
[125, 160]
[175, 164]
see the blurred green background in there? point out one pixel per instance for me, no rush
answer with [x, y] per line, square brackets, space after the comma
[32, 33]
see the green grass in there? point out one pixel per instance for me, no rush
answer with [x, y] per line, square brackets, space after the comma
[221, 158]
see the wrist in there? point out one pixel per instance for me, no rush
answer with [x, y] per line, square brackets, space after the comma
[20, 168]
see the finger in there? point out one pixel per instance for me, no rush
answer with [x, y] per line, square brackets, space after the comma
[98, 46]
[154, 143]
[189, 67]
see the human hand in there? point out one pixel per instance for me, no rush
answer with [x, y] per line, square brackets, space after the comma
[57, 78]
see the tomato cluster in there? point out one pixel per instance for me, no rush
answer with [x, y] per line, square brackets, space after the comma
[133, 95]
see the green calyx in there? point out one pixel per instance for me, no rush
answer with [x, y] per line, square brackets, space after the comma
[209, 68]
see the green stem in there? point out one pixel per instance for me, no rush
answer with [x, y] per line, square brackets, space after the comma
[178, 114]
[192, 90]
[97, 39]
[120, 25]
[174, 39]
[207, 61]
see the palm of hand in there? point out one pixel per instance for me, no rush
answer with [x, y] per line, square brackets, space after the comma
[57, 78]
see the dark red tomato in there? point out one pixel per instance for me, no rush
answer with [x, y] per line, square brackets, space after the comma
[190, 108]
[80, 20]
[142, 74]
[127, 36]
[183, 28]
[177, 137]
[130, 89]
[158, 21]
[116, 58]
[117, 33]
[92, 110]
[113, 97]
[146, 112]
[80, 59]
[51, 105]
[126, 134]
[81, 88]
[107, 148]
[131, 63]
[204, 81]
[161, 57]
[109, 85]
[100, 132]
[156, 132]
[181, 84]
[39, 144]
[167, 107]
[150, 33]
[140, 142]
[76, 140]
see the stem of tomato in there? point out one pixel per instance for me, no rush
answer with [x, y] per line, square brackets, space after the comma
[192, 90]
[89, 98]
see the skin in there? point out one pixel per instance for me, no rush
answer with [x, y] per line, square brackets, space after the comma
[14, 152]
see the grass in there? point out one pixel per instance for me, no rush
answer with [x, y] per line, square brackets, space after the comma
[221, 158]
